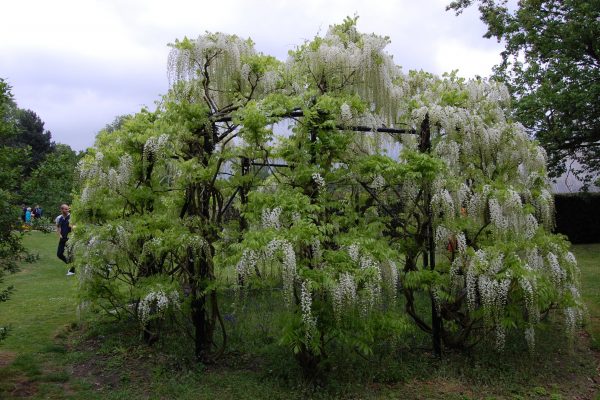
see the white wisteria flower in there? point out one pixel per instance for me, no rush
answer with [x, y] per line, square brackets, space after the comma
[318, 180]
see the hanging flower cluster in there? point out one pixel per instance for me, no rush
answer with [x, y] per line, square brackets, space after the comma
[347, 60]
[308, 319]
[319, 181]
[119, 178]
[346, 112]
[270, 218]
[344, 294]
[231, 67]
[276, 249]
[156, 303]
[153, 148]
[92, 173]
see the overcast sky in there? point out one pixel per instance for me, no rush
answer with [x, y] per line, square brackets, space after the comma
[80, 63]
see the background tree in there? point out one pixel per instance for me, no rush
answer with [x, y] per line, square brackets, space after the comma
[32, 169]
[38, 160]
[551, 65]
[11, 249]
[51, 183]
[11, 158]
[30, 133]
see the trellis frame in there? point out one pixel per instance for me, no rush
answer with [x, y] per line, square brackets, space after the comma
[424, 146]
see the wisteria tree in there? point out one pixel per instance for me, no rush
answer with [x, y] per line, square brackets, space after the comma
[313, 218]
[155, 192]
[390, 188]
[464, 206]
[481, 225]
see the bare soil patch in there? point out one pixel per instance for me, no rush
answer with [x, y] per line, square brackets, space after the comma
[24, 389]
[6, 358]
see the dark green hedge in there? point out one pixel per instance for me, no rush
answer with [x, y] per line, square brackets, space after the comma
[578, 216]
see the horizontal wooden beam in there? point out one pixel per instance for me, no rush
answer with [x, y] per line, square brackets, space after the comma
[355, 128]
[258, 164]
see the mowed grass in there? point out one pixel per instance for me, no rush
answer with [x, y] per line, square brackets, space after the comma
[44, 299]
[48, 356]
[41, 309]
[588, 257]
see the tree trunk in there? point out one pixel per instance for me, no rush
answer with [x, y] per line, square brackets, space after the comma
[429, 255]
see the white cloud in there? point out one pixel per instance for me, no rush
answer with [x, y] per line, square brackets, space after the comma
[451, 54]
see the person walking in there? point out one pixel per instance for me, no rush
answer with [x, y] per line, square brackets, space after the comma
[63, 228]
[28, 216]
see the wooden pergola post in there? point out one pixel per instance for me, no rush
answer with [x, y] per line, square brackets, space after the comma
[429, 253]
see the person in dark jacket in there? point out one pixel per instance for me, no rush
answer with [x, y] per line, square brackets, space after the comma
[63, 228]
[38, 211]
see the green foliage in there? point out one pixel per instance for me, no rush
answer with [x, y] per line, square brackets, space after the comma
[51, 183]
[156, 189]
[181, 204]
[49, 349]
[35, 170]
[551, 64]
[11, 249]
[30, 134]
[11, 159]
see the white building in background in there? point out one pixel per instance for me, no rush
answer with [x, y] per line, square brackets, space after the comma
[568, 183]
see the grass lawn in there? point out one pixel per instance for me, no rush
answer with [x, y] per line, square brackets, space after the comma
[51, 355]
[44, 300]
[41, 308]
[588, 257]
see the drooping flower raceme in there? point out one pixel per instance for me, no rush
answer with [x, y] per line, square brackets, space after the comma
[156, 303]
